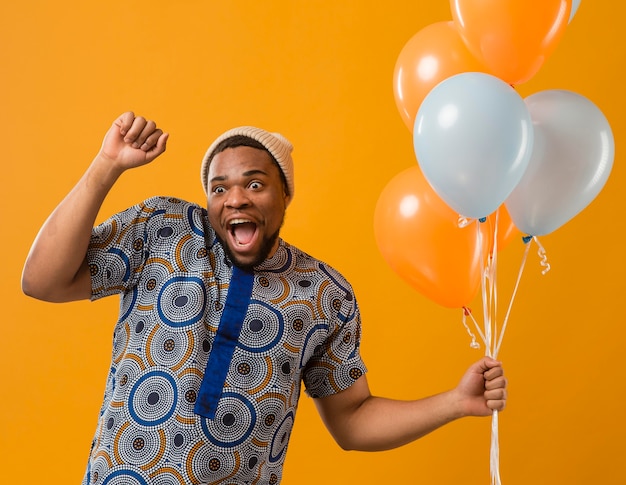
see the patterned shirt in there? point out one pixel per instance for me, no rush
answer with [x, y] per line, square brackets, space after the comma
[302, 325]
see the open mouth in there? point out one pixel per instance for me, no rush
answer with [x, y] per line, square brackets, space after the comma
[242, 231]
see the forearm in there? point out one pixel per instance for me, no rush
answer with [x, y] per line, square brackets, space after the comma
[359, 421]
[55, 267]
[382, 424]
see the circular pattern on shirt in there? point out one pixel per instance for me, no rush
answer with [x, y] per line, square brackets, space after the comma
[332, 300]
[298, 318]
[315, 337]
[187, 253]
[206, 464]
[348, 374]
[297, 324]
[139, 326]
[188, 384]
[128, 371]
[120, 340]
[138, 446]
[138, 244]
[165, 231]
[316, 380]
[281, 438]
[179, 439]
[262, 329]
[167, 348]
[181, 301]
[118, 266]
[233, 423]
[249, 371]
[155, 272]
[128, 305]
[112, 419]
[344, 344]
[125, 475]
[93, 269]
[272, 408]
[304, 283]
[162, 232]
[152, 399]
[105, 234]
[195, 219]
[286, 366]
[167, 476]
[101, 464]
[274, 287]
[279, 262]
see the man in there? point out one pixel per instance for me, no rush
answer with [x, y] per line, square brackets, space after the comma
[220, 322]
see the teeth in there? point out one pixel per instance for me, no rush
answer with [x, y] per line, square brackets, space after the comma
[239, 221]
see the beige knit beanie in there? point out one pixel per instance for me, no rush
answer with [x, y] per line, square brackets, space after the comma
[275, 143]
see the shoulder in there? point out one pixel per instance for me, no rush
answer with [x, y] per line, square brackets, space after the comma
[170, 205]
[166, 210]
[152, 216]
[304, 262]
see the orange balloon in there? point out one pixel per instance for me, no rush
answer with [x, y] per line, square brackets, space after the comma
[512, 38]
[419, 236]
[507, 231]
[433, 54]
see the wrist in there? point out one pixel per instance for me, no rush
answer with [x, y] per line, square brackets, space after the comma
[103, 172]
[457, 404]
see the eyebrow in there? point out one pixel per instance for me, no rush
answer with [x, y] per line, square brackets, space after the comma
[249, 173]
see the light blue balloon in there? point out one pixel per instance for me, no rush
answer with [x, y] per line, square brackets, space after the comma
[473, 139]
[575, 4]
[571, 161]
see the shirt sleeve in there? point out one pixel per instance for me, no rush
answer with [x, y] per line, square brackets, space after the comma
[337, 363]
[117, 249]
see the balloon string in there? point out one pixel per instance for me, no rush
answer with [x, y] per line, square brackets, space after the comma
[490, 304]
[494, 459]
[543, 262]
[468, 313]
[486, 294]
[463, 221]
[508, 311]
[493, 274]
[542, 256]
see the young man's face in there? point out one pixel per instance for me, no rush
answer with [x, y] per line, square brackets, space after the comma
[246, 203]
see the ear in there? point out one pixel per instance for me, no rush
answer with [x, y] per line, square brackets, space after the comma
[286, 198]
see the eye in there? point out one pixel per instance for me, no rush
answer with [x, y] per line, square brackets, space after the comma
[219, 189]
[255, 185]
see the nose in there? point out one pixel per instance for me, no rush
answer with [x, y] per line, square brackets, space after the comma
[237, 198]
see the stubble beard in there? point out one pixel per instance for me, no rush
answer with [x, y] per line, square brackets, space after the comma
[264, 251]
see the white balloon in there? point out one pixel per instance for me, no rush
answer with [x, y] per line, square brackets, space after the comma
[571, 161]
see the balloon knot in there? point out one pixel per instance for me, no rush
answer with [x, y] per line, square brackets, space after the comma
[467, 311]
[527, 239]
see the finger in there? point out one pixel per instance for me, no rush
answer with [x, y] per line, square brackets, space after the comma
[159, 147]
[135, 130]
[151, 140]
[493, 373]
[125, 121]
[148, 130]
[497, 393]
[162, 142]
[485, 364]
[496, 399]
[496, 405]
[497, 383]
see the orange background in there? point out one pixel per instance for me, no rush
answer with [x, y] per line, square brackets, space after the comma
[320, 72]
